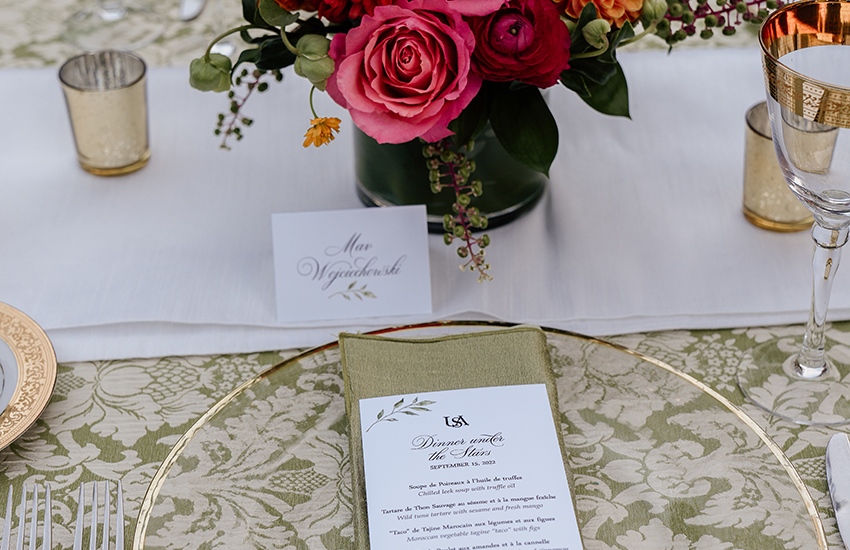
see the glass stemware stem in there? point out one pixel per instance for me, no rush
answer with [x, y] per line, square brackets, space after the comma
[111, 10]
[811, 361]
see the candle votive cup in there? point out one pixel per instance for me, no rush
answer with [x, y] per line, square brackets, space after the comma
[768, 202]
[106, 95]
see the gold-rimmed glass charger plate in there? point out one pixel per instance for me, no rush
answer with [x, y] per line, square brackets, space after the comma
[27, 373]
[658, 460]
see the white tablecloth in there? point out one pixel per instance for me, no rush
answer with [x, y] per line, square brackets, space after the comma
[641, 228]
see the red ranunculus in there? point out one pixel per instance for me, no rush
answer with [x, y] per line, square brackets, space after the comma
[405, 71]
[524, 40]
[293, 5]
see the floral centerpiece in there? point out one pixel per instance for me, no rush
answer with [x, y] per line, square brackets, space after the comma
[441, 70]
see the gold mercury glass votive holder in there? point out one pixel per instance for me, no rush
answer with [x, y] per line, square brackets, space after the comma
[768, 201]
[107, 102]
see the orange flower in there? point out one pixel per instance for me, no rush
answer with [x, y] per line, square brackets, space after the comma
[322, 131]
[615, 12]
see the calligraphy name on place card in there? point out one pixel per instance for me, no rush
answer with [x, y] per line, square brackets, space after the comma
[345, 265]
[348, 264]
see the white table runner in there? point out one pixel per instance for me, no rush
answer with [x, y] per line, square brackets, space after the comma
[641, 228]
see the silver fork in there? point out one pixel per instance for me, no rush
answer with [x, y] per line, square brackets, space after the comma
[105, 523]
[47, 522]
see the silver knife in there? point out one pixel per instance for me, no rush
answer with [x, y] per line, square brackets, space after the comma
[838, 479]
[190, 9]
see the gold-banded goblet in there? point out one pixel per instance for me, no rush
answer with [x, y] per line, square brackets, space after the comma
[806, 62]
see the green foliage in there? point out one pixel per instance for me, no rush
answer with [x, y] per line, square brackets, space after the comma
[313, 61]
[611, 98]
[251, 13]
[275, 15]
[596, 33]
[598, 80]
[525, 126]
[520, 118]
[473, 119]
[270, 54]
[210, 74]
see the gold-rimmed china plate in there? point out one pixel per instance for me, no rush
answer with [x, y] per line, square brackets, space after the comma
[657, 458]
[28, 365]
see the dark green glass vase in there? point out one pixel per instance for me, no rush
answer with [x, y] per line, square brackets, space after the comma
[394, 175]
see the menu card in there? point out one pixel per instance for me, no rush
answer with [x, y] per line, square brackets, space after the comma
[486, 389]
[465, 469]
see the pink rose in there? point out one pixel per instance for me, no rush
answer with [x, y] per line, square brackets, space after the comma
[404, 72]
[524, 40]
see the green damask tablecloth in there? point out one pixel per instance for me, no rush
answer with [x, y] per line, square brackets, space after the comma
[656, 462]
[31, 32]
[120, 419]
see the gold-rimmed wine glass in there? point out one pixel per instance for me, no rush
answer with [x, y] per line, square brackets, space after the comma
[806, 62]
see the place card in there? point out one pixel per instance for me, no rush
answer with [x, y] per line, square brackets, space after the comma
[458, 469]
[344, 264]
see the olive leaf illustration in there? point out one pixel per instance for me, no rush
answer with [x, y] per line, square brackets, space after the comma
[358, 293]
[411, 409]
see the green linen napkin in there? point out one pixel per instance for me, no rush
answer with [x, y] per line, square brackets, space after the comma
[377, 366]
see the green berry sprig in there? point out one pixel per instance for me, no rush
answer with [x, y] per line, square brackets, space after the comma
[680, 21]
[447, 168]
[231, 123]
